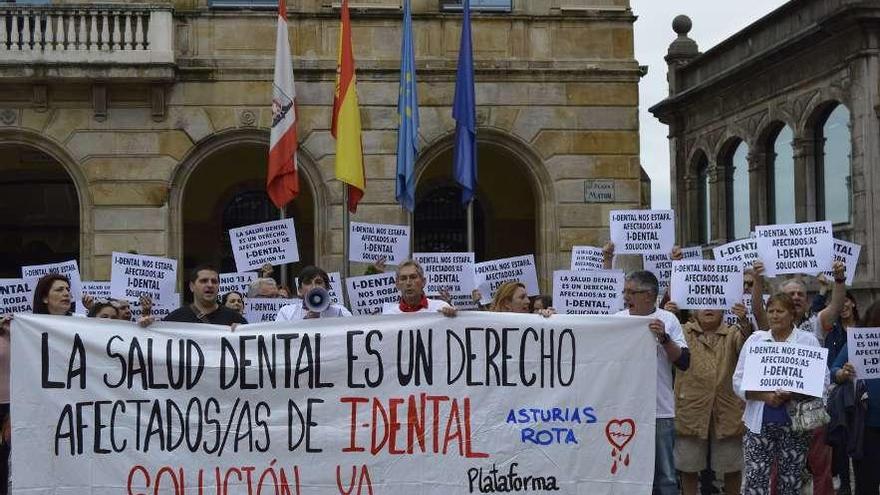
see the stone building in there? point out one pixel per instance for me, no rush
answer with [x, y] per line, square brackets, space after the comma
[779, 124]
[144, 126]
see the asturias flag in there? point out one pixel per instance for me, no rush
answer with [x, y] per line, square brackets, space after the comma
[408, 116]
[346, 126]
[282, 182]
[464, 111]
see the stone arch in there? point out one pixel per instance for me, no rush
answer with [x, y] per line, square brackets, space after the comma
[693, 161]
[38, 141]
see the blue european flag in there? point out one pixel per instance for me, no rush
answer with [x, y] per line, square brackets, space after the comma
[408, 116]
[464, 111]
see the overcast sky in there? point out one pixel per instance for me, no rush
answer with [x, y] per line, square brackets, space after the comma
[713, 21]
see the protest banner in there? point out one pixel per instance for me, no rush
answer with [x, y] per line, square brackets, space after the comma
[706, 284]
[32, 274]
[236, 281]
[795, 248]
[135, 275]
[16, 296]
[848, 253]
[367, 294]
[863, 350]
[369, 242]
[98, 290]
[158, 311]
[453, 272]
[488, 275]
[771, 366]
[744, 251]
[262, 309]
[642, 231]
[588, 292]
[269, 242]
[480, 403]
[585, 258]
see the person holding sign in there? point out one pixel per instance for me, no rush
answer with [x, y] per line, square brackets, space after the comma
[640, 297]
[311, 277]
[204, 281]
[769, 435]
[511, 297]
[844, 373]
[411, 284]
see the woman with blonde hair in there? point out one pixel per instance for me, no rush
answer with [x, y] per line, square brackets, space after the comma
[511, 297]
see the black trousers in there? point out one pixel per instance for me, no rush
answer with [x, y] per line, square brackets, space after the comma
[867, 469]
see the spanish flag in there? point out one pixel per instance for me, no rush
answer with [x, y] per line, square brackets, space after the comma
[346, 127]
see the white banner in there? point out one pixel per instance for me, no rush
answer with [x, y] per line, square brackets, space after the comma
[236, 281]
[488, 275]
[32, 274]
[731, 318]
[453, 272]
[795, 248]
[370, 241]
[771, 366]
[863, 350]
[642, 231]
[588, 292]
[367, 294]
[135, 275]
[261, 309]
[269, 242]
[585, 258]
[706, 284]
[16, 296]
[848, 253]
[744, 251]
[159, 311]
[392, 405]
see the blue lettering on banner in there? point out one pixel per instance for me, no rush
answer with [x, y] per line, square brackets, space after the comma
[540, 433]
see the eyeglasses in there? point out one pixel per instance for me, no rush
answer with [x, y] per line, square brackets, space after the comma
[628, 292]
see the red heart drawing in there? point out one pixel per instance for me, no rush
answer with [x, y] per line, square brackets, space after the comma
[620, 431]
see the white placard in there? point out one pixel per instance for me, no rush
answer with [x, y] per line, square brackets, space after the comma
[848, 253]
[863, 351]
[642, 231]
[661, 266]
[261, 309]
[96, 289]
[370, 241]
[795, 248]
[367, 294]
[731, 318]
[453, 272]
[692, 253]
[588, 292]
[488, 275]
[706, 284]
[744, 251]
[771, 366]
[587, 258]
[16, 296]
[269, 242]
[236, 281]
[135, 275]
[158, 311]
[335, 288]
[70, 269]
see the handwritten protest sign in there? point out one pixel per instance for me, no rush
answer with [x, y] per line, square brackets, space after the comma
[863, 350]
[489, 275]
[848, 253]
[98, 290]
[16, 296]
[796, 368]
[371, 405]
[453, 272]
[706, 284]
[370, 241]
[236, 281]
[135, 275]
[367, 294]
[744, 251]
[587, 258]
[795, 248]
[269, 242]
[32, 274]
[588, 292]
[261, 309]
[642, 231]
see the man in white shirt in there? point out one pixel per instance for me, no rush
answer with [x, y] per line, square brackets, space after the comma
[309, 278]
[411, 284]
[640, 297]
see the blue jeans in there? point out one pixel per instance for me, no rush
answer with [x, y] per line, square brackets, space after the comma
[665, 480]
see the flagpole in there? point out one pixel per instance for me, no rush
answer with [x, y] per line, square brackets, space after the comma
[345, 231]
[285, 268]
[470, 226]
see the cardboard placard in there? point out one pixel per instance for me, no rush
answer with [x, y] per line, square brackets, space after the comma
[369, 242]
[642, 231]
[269, 242]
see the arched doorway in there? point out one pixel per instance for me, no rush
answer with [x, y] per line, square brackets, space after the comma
[40, 210]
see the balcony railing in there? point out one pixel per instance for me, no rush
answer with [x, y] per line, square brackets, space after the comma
[77, 34]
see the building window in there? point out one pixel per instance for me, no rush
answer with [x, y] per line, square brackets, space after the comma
[705, 201]
[834, 167]
[484, 5]
[782, 204]
[245, 4]
[738, 205]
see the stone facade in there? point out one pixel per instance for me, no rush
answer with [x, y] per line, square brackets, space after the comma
[183, 109]
[788, 69]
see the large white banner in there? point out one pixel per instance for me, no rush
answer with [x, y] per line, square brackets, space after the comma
[400, 404]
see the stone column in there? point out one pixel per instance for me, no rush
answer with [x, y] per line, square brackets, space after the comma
[758, 187]
[690, 225]
[718, 178]
[804, 178]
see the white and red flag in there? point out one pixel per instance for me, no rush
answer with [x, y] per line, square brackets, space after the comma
[282, 182]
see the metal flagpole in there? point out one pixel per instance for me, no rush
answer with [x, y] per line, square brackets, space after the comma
[283, 275]
[470, 226]
[345, 231]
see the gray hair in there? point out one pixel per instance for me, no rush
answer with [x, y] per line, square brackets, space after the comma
[254, 289]
[413, 263]
[794, 280]
[645, 280]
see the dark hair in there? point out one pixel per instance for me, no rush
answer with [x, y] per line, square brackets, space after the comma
[44, 285]
[194, 273]
[855, 310]
[646, 280]
[546, 301]
[226, 296]
[871, 318]
[309, 273]
[98, 306]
